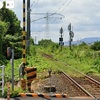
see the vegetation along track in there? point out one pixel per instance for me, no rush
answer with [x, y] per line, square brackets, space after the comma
[87, 84]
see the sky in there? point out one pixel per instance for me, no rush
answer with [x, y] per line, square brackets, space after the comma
[84, 16]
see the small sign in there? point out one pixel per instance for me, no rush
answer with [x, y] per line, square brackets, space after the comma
[9, 4]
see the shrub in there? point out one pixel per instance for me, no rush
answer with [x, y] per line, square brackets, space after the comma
[96, 46]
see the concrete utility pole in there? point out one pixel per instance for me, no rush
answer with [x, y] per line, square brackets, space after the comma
[28, 25]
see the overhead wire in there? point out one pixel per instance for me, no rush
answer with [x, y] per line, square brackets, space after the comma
[52, 13]
[64, 3]
[67, 5]
[34, 4]
[63, 8]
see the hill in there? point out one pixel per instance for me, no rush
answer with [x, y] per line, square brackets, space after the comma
[89, 40]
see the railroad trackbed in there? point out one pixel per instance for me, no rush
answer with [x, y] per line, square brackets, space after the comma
[72, 86]
[79, 84]
[87, 86]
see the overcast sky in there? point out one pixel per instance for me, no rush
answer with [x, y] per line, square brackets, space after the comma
[84, 16]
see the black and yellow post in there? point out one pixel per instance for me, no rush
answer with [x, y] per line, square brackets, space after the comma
[24, 36]
[31, 75]
[31, 72]
[23, 81]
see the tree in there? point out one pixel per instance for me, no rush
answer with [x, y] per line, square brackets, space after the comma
[96, 46]
[10, 34]
[3, 29]
[10, 16]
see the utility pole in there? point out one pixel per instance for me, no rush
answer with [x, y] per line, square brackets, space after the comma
[28, 25]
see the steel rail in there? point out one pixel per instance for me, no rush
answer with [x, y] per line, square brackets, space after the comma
[90, 78]
[78, 85]
[95, 81]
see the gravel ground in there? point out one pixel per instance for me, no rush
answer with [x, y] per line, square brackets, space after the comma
[56, 80]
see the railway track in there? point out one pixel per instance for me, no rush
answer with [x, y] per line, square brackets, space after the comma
[88, 85]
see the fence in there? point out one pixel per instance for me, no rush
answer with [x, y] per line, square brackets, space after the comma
[2, 79]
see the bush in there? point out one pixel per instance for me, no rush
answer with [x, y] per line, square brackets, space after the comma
[14, 93]
[45, 43]
[96, 46]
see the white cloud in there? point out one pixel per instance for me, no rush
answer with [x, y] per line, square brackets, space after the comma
[83, 14]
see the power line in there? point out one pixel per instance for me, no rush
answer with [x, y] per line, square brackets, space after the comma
[61, 6]
[50, 14]
[34, 4]
[59, 9]
[67, 5]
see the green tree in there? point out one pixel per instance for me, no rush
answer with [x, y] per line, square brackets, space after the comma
[96, 46]
[3, 29]
[9, 16]
[10, 31]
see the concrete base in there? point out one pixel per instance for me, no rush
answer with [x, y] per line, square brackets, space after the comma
[50, 88]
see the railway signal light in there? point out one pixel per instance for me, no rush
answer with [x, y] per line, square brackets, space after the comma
[61, 43]
[60, 39]
[69, 27]
[61, 30]
[71, 35]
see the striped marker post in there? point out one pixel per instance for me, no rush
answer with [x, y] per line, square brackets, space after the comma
[43, 95]
[24, 36]
[8, 93]
[23, 83]
[31, 75]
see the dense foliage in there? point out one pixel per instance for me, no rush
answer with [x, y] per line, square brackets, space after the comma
[96, 46]
[10, 32]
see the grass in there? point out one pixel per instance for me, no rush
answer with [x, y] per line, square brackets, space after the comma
[81, 58]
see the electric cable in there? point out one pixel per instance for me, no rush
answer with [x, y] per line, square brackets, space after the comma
[66, 6]
[63, 9]
[34, 4]
[52, 13]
